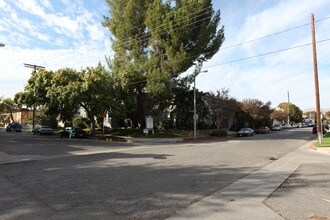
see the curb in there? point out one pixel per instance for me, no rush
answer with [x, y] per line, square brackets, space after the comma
[319, 150]
[109, 139]
[116, 140]
[200, 139]
[312, 147]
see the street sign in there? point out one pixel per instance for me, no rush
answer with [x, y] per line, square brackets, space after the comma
[149, 123]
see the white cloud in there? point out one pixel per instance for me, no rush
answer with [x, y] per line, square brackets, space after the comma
[46, 4]
[95, 32]
[30, 6]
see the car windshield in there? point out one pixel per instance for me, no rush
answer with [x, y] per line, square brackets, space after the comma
[245, 129]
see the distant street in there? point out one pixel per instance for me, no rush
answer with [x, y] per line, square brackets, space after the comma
[93, 179]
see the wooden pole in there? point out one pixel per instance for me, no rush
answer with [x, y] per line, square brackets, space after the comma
[316, 83]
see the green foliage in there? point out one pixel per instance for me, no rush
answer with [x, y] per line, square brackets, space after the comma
[65, 91]
[80, 122]
[279, 115]
[259, 112]
[154, 43]
[295, 113]
[221, 106]
[184, 104]
[161, 126]
[8, 105]
[219, 133]
[48, 120]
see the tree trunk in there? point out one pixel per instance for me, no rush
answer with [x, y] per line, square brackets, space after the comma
[92, 123]
[12, 116]
[140, 107]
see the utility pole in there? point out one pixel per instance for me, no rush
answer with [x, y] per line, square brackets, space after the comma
[288, 108]
[35, 68]
[316, 83]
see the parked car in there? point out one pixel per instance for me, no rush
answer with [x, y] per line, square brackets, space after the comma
[245, 132]
[295, 126]
[287, 126]
[43, 130]
[262, 130]
[324, 129]
[73, 132]
[277, 127]
[14, 127]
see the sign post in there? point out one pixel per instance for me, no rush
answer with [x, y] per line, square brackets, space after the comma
[149, 125]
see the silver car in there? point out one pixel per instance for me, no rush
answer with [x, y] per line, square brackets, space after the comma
[277, 127]
[245, 132]
[43, 130]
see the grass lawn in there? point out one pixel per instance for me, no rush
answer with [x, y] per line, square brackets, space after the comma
[326, 141]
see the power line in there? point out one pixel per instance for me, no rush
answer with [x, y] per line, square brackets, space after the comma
[263, 37]
[265, 54]
[164, 31]
[140, 37]
[270, 35]
[248, 58]
[183, 20]
[259, 38]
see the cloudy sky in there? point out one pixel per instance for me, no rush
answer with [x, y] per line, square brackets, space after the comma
[63, 33]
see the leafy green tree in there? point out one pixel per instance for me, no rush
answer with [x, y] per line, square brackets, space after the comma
[155, 42]
[260, 112]
[279, 115]
[327, 116]
[8, 105]
[221, 106]
[65, 91]
[295, 113]
[46, 88]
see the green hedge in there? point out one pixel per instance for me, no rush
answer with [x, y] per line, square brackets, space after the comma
[219, 133]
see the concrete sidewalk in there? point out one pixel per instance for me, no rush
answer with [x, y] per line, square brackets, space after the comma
[245, 198]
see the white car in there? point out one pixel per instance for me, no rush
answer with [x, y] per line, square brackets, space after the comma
[277, 127]
[245, 132]
[287, 126]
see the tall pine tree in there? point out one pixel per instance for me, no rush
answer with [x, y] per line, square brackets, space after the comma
[155, 41]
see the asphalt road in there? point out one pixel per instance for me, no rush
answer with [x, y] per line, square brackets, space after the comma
[91, 179]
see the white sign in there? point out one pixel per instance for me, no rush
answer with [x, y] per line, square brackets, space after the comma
[149, 123]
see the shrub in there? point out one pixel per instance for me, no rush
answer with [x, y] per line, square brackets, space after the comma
[80, 122]
[219, 133]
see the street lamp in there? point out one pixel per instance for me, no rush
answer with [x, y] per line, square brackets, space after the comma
[195, 117]
[2, 44]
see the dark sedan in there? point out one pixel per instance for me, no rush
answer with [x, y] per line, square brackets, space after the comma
[71, 132]
[14, 127]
